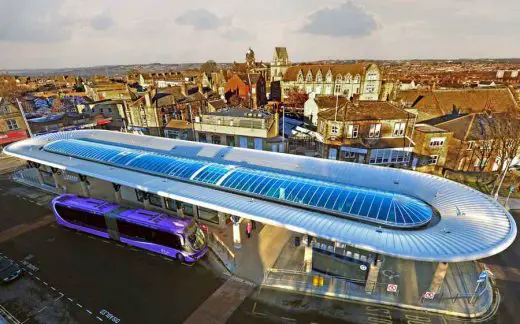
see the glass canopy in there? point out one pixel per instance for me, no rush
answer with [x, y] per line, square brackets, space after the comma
[365, 204]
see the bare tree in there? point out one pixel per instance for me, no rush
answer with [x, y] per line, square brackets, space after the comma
[507, 134]
[486, 146]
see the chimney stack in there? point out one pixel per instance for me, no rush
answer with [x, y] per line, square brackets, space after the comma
[183, 89]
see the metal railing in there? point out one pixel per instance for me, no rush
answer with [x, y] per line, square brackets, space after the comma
[222, 251]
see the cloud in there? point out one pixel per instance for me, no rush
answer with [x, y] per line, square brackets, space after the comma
[201, 19]
[34, 21]
[348, 19]
[237, 34]
[101, 22]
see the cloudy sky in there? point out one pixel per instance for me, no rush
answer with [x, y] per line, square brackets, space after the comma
[70, 33]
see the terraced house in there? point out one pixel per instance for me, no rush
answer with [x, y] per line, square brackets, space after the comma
[12, 124]
[363, 79]
[373, 132]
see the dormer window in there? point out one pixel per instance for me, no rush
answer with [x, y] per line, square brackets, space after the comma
[348, 78]
[319, 77]
[329, 76]
[309, 77]
[356, 78]
[338, 78]
[300, 77]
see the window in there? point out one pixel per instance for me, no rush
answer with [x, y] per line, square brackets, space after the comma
[4, 109]
[349, 155]
[170, 204]
[202, 138]
[230, 140]
[356, 79]
[319, 78]
[470, 145]
[334, 130]
[187, 209]
[82, 218]
[338, 78]
[110, 110]
[11, 124]
[437, 141]
[433, 159]
[352, 131]
[208, 215]
[155, 200]
[140, 195]
[375, 130]
[399, 129]
[101, 110]
[167, 239]
[348, 78]
[372, 76]
[309, 77]
[337, 89]
[215, 139]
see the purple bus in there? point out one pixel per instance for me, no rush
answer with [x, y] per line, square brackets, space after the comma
[181, 238]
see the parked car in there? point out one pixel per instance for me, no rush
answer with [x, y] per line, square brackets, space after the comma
[9, 270]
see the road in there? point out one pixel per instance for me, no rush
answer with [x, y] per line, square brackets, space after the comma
[77, 278]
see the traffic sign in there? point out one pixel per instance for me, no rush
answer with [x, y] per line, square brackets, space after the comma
[391, 288]
[511, 188]
[429, 295]
[483, 276]
[363, 267]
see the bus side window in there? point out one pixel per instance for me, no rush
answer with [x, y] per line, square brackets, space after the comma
[128, 229]
[168, 239]
[79, 217]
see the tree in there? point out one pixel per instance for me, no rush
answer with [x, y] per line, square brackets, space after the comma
[8, 87]
[507, 133]
[296, 98]
[209, 67]
[487, 144]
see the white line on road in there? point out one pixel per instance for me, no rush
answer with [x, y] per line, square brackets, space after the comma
[53, 288]
[88, 311]
[45, 283]
[99, 318]
[37, 277]
[134, 249]
[59, 297]
[150, 254]
[80, 306]
[69, 299]
[91, 237]
[119, 245]
[105, 241]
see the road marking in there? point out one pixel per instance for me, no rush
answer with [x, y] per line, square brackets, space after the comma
[105, 241]
[45, 283]
[88, 311]
[79, 305]
[53, 288]
[167, 259]
[37, 277]
[91, 237]
[134, 249]
[29, 272]
[69, 299]
[59, 297]
[150, 254]
[41, 310]
[99, 318]
[119, 245]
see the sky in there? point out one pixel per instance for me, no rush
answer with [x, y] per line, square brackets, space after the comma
[74, 33]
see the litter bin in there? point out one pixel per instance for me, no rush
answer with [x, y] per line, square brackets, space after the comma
[297, 241]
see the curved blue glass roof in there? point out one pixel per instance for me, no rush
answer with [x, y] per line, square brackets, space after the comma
[365, 204]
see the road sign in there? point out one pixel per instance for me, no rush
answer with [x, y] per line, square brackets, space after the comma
[429, 295]
[391, 288]
[363, 267]
[483, 276]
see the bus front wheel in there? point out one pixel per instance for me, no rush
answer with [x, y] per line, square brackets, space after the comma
[180, 257]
